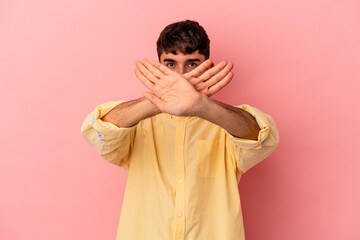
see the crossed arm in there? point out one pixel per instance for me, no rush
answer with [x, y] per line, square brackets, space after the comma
[185, 95]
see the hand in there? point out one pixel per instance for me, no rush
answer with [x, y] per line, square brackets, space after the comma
[170, 91]
[209, 80]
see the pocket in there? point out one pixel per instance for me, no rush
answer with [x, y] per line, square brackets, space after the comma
[210, 158]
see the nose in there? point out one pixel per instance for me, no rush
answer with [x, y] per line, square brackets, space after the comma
[180, 69]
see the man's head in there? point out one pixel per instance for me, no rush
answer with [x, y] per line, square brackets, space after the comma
[182, 46]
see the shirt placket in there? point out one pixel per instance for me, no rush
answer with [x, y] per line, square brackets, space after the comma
[180, 178]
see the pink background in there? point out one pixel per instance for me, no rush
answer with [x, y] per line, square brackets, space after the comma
[295, 60]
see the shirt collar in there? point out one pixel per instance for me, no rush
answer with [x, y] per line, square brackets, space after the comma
[180, 117]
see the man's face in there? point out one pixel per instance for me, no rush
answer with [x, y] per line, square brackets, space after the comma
[182, 63]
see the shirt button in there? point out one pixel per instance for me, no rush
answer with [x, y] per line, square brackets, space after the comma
[179, 215]
[179, 147]
[180, 181]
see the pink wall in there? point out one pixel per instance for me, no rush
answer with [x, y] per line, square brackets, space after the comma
[295, 60]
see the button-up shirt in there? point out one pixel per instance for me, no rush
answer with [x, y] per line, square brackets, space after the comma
[182, 173]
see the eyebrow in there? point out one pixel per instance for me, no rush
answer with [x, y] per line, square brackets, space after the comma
[169, 60]
[188, 60]
[193, 60]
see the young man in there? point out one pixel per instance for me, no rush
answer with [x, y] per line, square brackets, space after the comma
[184, 153]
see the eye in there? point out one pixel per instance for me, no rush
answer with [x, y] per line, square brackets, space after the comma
[170, 65]
[192, 64]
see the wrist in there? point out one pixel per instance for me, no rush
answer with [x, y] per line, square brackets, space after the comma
[201, 106]
[152, 108]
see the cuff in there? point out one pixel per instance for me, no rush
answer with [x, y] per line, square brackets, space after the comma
[107, 130]
[263, 133]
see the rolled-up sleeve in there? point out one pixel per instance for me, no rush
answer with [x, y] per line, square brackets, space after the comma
[110, 141]
[248, 152]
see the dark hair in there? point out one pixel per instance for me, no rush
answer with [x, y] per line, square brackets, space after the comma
[185, 37]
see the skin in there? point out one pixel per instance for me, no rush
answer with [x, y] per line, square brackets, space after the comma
[199, 72]
[206, 78]
[178, 86]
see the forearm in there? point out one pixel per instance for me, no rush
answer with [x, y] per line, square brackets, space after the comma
[129, 113]
[236, 121]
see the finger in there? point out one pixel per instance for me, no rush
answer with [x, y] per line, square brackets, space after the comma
[216, 78]
[149, 84]
[220, 85]
[200, 69]
[145, 72]
[152, 69]
[163, 68]
[211, 72]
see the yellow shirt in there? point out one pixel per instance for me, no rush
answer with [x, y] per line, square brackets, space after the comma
[183, 173]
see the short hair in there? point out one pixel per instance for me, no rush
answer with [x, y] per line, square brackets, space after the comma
[186, 37]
